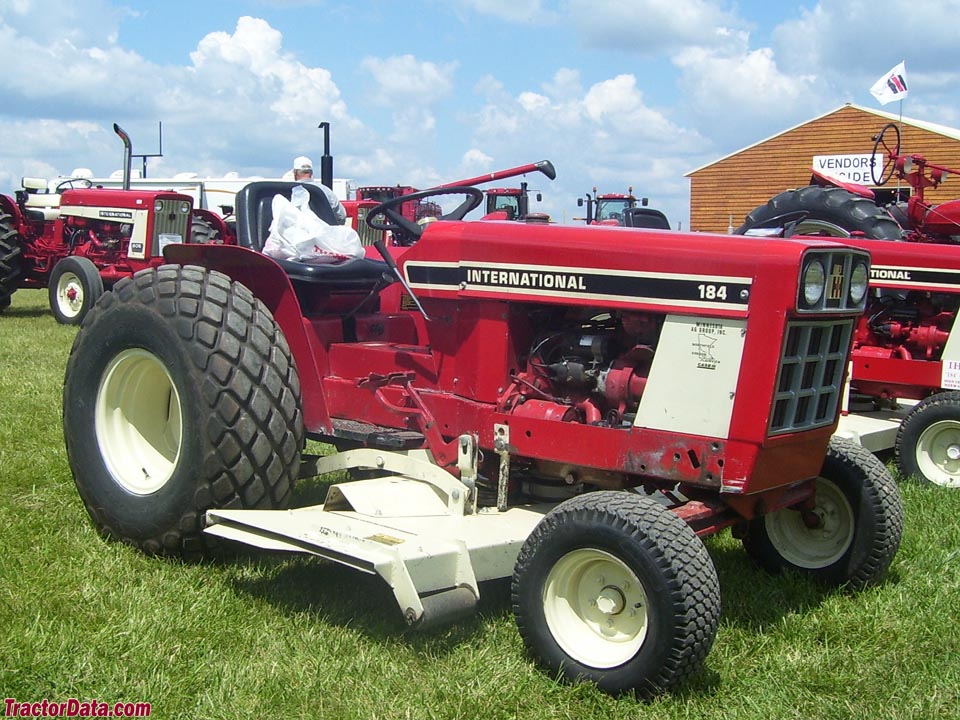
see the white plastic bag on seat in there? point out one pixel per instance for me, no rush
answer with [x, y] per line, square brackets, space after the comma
[297, 234]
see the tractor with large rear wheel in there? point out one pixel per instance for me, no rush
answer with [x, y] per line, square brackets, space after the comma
[906, 347]
[551, 404]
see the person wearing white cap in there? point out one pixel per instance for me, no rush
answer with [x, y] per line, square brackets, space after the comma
[303, 173]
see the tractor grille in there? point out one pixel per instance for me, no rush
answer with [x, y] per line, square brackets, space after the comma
[810, 381]
[169, 220]
[367, 234]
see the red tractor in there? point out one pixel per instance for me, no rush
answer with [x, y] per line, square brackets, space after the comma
[79, 239]
[906, 346]
[552, 404]
[620, 209]
[511, 204]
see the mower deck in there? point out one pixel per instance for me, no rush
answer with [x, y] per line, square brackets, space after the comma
[875, 430]
[411, 528]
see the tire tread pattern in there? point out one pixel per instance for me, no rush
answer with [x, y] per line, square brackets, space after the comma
[940, 405]
[250, 389]
[681, 556]
[850, 212]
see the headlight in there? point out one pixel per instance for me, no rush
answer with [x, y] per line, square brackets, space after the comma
[158, 205]
[814, 281]
[859, 279]
[185, 208]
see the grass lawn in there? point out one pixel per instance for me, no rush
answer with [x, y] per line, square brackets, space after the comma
[288, 637]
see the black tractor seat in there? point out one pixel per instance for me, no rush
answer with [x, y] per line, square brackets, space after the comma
[255, 214]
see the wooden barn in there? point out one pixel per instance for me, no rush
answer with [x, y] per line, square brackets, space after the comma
[838, 143]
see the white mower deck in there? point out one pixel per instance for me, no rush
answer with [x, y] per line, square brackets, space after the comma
[412, 528]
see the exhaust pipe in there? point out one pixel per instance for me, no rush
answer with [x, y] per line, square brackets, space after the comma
[326, 162]
[127, 155]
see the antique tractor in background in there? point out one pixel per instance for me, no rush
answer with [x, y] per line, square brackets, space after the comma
[567, 406]
[78, 239]
[906, 345]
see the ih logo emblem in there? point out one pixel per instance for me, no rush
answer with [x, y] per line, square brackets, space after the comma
[836, 282]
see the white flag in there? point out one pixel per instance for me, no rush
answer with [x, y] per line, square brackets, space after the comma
[892, 86]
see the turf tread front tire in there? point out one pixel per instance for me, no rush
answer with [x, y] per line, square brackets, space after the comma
[238, 386]
[877, 517]
[683, 588]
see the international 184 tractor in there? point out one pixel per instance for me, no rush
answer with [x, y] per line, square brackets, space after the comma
[565, 406]
[906, 346]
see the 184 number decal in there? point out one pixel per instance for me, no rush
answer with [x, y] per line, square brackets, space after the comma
[712, 292]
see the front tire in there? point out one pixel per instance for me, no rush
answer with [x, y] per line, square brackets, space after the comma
[75, 286]
[830, 211]
[928, 443]
[180, 396]
[615, 589]
[850, 536]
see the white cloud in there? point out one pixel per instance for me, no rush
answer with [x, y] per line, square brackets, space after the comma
[520, 11]
[404, 79]
[745, 93]
[652, 27]
[242, 103]
[605, 135]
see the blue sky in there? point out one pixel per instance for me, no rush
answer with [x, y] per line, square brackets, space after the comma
[616, 93]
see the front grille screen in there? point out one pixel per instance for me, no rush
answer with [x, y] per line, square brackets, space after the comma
[810, 380]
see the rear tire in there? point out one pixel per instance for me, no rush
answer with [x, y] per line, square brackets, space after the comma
[11, 260]
[832, 211]
[850, 536]
[180, 396]
[928, 443]
[75, 286]
[202, 232]
[615, 589]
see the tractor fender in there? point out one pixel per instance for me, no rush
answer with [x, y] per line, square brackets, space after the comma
[9, 206]
[268, 282]
[818, 178]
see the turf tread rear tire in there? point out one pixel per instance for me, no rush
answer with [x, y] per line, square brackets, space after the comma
[237, 381]
[692, 591]
[837, 206]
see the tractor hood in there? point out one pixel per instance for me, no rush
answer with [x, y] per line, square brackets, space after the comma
[620, 267]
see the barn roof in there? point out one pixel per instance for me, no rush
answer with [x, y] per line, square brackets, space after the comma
[949, 132]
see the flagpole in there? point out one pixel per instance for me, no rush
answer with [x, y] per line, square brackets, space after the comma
[900, 151]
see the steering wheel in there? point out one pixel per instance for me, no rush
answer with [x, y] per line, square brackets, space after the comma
[406, 231]
[73, 184]
[888, 141]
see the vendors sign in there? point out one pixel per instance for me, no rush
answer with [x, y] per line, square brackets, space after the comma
[849, 168]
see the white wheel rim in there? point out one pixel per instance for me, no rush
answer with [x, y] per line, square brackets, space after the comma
[821, 544]
[938, 453]
[69, 295]
[813, 227]
[595, 608]
[138, 422]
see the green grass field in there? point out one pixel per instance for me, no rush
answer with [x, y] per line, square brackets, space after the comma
[289, 637]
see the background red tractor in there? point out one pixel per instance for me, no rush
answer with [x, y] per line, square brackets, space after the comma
[553, 405]
[621, 209]
[78, 239]
[906, 346]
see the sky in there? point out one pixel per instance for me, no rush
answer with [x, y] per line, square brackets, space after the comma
[616, 93]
